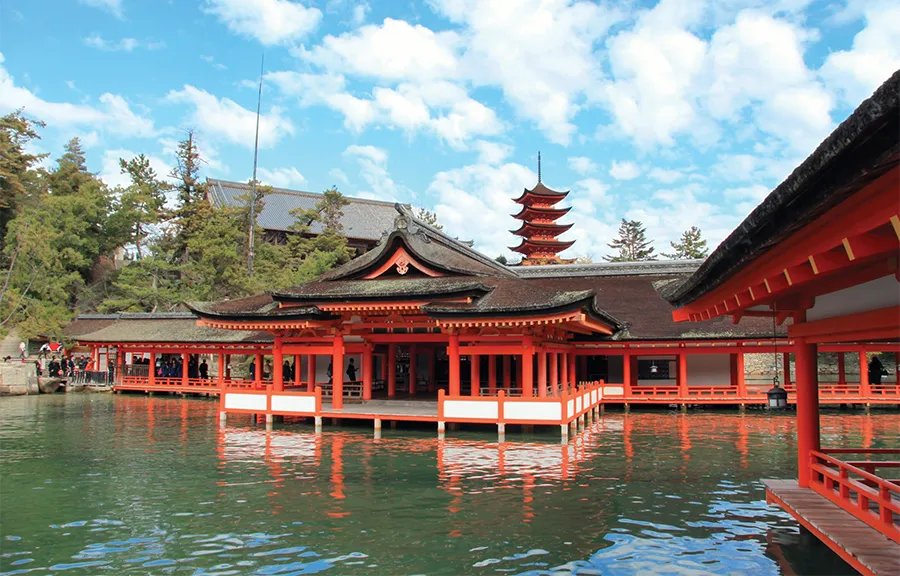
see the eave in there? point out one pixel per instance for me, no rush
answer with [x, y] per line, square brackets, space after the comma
[531, 213]
[554, 229]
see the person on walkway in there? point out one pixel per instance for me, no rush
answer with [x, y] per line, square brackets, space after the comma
[253, 370]
[876, 371]
[53, 368]
[351, 372]
[330, 372]
[203, 369]
[23, 350]
[37, 367]
[45, 349]
[287, 374]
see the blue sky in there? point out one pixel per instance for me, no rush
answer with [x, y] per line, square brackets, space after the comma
[676, 113]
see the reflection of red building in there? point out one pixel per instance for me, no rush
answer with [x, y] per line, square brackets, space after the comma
[823, 248]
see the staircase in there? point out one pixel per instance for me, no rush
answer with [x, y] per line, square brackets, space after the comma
[9, 346]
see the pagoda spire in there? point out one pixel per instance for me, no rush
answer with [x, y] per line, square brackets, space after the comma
[539, 229]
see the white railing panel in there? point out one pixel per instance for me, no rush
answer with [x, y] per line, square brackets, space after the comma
[294, 404]
[578, 404]
[551, 411]
[570, 408]
[238, 401]
[614, 390]
[471, 409]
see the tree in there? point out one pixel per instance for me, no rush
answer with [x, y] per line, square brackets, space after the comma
[428, 217]
[313, 254]
[585, 259]
[632, 243]
[19, 172]
[193, 205]
[142, 201]
[502, 259]
[71, 170]
[691, 246]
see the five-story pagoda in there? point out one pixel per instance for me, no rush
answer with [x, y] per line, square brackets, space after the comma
[539, 230]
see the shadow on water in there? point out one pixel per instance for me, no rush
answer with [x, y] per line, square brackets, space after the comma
[94, 484]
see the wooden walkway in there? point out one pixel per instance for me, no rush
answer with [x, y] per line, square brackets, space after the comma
[417, 410]
[858, 544]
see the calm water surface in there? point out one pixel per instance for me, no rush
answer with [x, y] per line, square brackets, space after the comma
[101, 484]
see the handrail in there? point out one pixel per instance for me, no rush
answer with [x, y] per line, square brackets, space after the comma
[859, 451]
[831, 478]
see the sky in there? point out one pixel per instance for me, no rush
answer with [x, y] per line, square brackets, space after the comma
[674, 113]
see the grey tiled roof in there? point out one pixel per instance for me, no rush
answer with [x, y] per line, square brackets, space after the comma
[363, 219]
[646, 268]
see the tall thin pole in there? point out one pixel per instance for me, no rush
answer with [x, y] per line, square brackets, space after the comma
[253, 183]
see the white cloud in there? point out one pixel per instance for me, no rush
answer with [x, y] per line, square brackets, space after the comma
[492, 152]
[270, 22]
[225, 118]
[339, 176]
[114, 7]
[359, 13]
[114, 115]
[373, 170]
[854, 74]
[665, 175]
[282, 177]
[122, 44]
[624, 170]
[582, 165]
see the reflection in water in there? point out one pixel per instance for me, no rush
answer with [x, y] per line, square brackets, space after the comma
[124, 483]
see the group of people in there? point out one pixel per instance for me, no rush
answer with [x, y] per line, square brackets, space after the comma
[61, 367]
[174, 368]
[289, 371]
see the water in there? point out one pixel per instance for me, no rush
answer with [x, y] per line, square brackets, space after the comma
[101, 484]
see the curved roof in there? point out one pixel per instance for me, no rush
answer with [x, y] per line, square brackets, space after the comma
[862, 148]
[540, 193]
[528, 245]
[554, 229]
[529, 213]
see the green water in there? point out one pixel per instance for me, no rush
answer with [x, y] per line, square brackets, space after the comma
[101, 484]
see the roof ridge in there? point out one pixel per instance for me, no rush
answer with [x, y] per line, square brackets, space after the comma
[306, 193]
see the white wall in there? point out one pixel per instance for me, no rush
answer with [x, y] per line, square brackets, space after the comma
[883, 292]
[709, 370]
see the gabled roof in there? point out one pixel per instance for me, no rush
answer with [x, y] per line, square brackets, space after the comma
[258, 307]
[425, 243]
[862, 148]
[363, 219]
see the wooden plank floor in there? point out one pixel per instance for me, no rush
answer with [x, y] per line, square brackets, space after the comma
[418, 410]
[860, 545]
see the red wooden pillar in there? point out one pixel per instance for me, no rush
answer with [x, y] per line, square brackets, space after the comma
[453, 355]
[391, 361]
[278, 365]
[842, 369]
[475, 361]
[626, 374]
[413, 369]
[786, 357]
[220, 373]
[865, 387]
[682, 375]
[542, 373]
[184, 368]
[527, 368]
[573, 379]
[120, 363]
[492, 375]
[337, 372]
[564, 371]
[507, 372]
[367, 372]
[310, 372]
[298, 364]
[807, 407]
[258, 376]
[432, 378]
[739, 373]
[152, 371]
[554, 373]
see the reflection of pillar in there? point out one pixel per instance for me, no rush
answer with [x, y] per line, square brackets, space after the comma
[367, 372]
[528, 497]
[453, 356]
[685, 437]
[432, 379]
[807, 407]
[554, 372]
[474, 361]
[337, 474]
[392, 370]
[337, 372]
[865, 387]
[413, 369]
[277, 365]
[742, 444]
[527, 368]
[542, 373]
[507, 371]
[310, 372]
[492, 375]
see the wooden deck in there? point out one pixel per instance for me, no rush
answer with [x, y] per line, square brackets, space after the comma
[859, 545]
[417, 410]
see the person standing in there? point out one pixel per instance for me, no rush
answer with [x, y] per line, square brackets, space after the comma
[351, 371]
[23, 350]
[204, 369]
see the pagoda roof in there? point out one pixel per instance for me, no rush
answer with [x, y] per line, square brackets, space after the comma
[864, 147]
[528, 245]
[555, 229]
[530, 212]
[542, 193]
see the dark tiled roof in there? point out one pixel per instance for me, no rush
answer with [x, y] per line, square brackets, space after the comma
[176, 327]
[360, 290]
[862, 148]
[261, 306]
[430, 245]
[634, 300]
[363, 219]
[541, 190]
[86, 323]
[649, 267]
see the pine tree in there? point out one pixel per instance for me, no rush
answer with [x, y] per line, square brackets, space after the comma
[691, 246]
[428, 217]
[19, 171]
[632, 243]
[71, 170]
[142, 201]
[193, 205]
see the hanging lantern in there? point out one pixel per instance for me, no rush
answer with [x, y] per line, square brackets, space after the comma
[777, 398]
[653, 368]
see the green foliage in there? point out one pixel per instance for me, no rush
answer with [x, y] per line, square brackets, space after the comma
[141, 202]
[428, 217]
[194, 207]
[632, 244]
[691, 246]
[19, 176]
[502, 259]
[147, 285]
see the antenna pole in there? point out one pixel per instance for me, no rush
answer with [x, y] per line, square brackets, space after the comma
[253, 182]
[539, 166]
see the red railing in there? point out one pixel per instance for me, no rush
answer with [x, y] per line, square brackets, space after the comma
[654, 391]
[854, 487]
